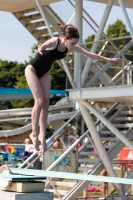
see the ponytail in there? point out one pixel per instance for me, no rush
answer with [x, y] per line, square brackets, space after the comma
[69, 31]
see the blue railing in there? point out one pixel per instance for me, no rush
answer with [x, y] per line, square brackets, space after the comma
[27, 91]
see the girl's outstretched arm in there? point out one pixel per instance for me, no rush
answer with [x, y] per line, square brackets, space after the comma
[88, 54]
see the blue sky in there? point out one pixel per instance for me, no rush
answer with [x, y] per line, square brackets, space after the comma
[16, 41]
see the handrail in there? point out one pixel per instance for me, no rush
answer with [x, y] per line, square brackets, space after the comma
[96, 76]
[49, 140]
[50, 145]
[79, 140]
[63, 132]
[104, 40]
[119, 73]
[98, 122]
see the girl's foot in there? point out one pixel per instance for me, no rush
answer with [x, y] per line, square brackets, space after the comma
[43, 143]
[35, 141]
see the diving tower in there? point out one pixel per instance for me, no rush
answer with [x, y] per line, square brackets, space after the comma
[91, 93]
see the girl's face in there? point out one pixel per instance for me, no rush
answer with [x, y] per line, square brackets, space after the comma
[70, 43]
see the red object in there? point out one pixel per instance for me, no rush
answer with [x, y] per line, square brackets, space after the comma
[7, 148]
[92, 189]
[126, 158]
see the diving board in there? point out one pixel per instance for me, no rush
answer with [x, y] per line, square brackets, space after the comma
[55, 174]
[21, 178]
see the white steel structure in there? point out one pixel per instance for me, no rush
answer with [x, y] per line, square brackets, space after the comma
[38, 18]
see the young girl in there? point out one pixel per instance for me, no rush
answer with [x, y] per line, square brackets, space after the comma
[38, 75]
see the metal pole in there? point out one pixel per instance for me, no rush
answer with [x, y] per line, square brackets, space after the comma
[104, 40]
[77, 56]
[119, 73]
[44, 17]
[98, 36]
[82, 125]
[122, 70]
[76, 114]
[129, 75]
[130, 175]
[126, 17]
[96, 138]
[28, 159]
[66, 152]
[68, 72]
[108, 124]
[71, 18]
[76, 127]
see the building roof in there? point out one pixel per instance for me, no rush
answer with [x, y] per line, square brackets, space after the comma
[22, 5]
[127, 3]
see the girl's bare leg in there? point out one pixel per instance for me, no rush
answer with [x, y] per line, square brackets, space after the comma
[103, 187]
[107, 192]
[36, 90]
[45, 85]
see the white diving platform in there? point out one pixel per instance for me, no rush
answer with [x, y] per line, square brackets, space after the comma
[123, 94]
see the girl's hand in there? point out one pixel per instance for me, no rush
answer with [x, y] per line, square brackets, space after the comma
[40, 49]
[115, 61]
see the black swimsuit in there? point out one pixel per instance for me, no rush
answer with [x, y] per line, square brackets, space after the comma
[42, 63]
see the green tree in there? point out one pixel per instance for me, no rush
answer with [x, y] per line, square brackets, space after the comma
[89, 39]
[58, 80]
[22, 83]
[58, 77]
[118, 29]
[9, 72]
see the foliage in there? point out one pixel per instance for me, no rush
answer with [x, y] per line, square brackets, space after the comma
[118, 29]
[4, 105]
[58, 77]
[9, 72]
[21, 82]
[89, 39]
